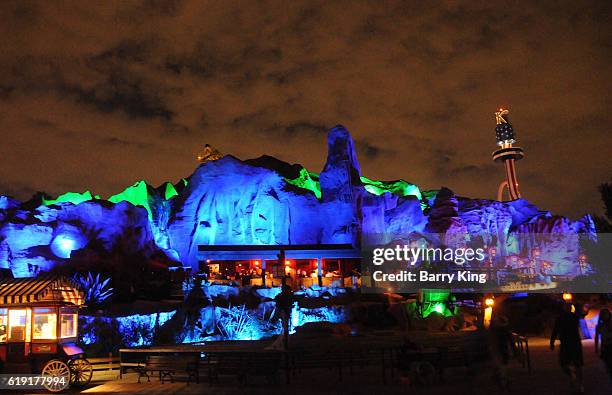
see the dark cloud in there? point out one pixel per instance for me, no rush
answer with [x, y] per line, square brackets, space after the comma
[370, 151]
[304, 128]
[96, 93]
[120, 94]
[121, 143]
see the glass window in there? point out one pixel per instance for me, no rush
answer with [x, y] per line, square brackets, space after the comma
[277, 270]
[17, 327]
[3, 325]
[45, 324]
[68, 323]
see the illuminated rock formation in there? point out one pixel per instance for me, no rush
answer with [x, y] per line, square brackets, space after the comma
[36, 240]
[260, 201]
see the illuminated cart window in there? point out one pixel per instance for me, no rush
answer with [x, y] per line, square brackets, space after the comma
[3, 325]
[68, 323]
[18, 320]
[45, 323]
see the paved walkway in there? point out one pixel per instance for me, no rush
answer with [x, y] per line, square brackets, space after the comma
[546, 378]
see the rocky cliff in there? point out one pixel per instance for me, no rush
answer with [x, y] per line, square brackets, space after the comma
[261, 201]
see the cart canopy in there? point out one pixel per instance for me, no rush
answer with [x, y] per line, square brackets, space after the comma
[50, 289]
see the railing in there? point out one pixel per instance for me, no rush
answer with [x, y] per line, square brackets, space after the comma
[521, 347]
[105, 368]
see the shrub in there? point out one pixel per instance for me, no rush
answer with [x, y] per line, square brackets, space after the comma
[97, 289]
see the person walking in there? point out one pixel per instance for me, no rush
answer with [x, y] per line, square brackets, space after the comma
[284, 304]
[603, 337]
[567, 330]
[502, 347]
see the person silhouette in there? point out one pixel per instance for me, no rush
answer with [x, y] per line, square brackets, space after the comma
[567, 330]
[284, 305]
[603, 337]
[502, 346]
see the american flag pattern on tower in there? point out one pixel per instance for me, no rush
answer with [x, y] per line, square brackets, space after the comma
[507, 154]
[504, 132]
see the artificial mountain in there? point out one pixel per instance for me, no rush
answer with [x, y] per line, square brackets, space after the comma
[258, 201]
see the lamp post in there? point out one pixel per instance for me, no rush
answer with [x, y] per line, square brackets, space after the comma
[488, 311]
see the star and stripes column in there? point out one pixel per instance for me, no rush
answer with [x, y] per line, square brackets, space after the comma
[508, 154]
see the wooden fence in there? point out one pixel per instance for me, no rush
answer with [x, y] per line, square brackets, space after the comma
[105, 368]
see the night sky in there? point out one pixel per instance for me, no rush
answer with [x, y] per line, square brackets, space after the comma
[97, 95]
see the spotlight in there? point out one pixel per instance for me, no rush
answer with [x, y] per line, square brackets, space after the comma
[63, 245]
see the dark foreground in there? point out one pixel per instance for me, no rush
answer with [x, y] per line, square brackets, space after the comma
[546, 378]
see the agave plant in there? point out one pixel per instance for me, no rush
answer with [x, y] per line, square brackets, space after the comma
[96, 288]
[237, 323]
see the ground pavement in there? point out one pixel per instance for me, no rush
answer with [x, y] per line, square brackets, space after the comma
[546, 378]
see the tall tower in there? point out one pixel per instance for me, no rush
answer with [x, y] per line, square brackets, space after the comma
[508, 154]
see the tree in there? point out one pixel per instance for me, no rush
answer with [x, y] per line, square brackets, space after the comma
[604, 224]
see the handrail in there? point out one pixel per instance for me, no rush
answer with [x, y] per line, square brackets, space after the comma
[521, 348]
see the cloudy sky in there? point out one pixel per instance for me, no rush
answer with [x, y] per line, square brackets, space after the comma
[97, 95]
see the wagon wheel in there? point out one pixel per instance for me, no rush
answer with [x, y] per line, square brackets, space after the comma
[59, 375]
[81, 371]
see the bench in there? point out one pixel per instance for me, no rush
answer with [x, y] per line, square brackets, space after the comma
[243, 365]
[340, 360]
[319, 359]
[441, 357]
[130, 361]
[166, 366]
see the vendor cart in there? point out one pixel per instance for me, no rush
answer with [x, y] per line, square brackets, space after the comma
[38, 329]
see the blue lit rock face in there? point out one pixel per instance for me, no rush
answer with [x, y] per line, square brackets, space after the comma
[67, 238]
[6, 203]
[229, 202]
[106, 334]
[340, 188]
[36, 240]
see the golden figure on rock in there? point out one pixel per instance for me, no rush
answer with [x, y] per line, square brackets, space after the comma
[208, 154]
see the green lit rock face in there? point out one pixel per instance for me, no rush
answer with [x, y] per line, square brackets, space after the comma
[71, 197]
[170, 191]
[307, 180]
[137, 194]
[310, 181]
[429, 197]
[401, 188]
